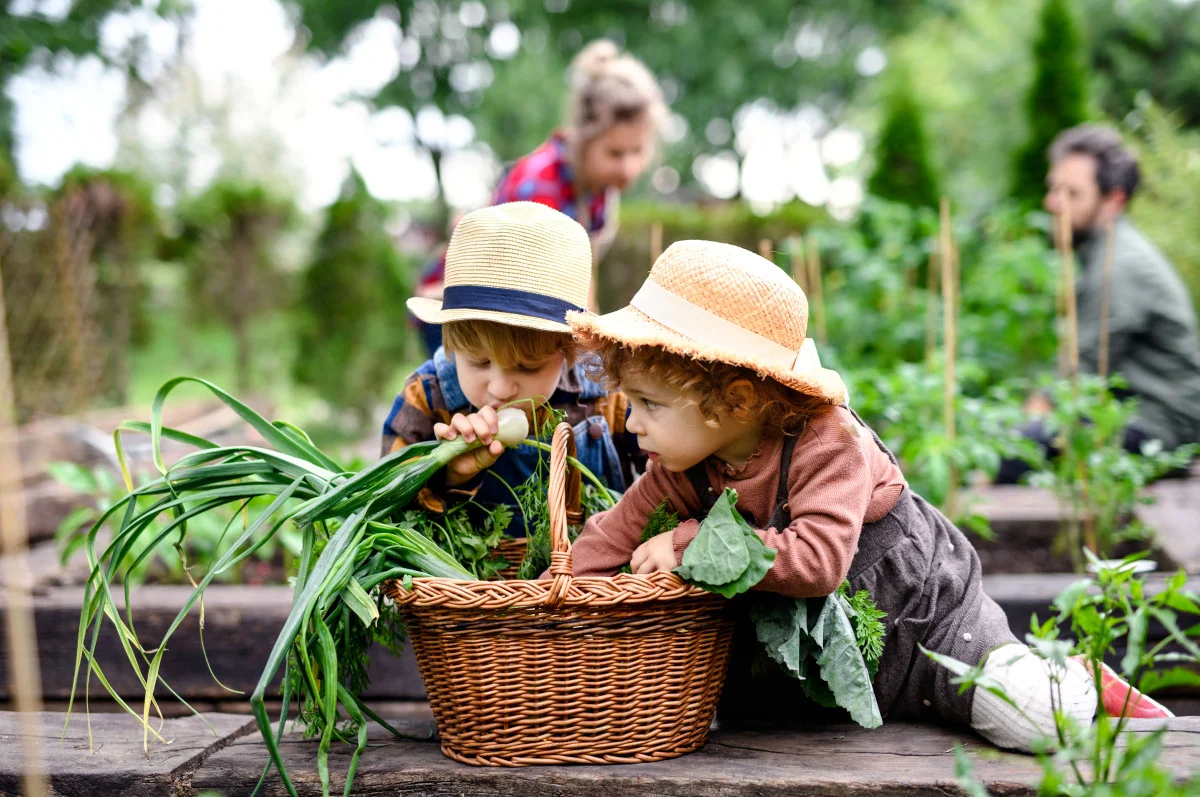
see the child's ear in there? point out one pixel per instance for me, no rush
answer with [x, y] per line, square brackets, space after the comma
[742, 399]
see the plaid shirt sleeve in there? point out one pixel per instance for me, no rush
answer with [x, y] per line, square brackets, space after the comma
[536, 178]
[543, 176]
[414, 412]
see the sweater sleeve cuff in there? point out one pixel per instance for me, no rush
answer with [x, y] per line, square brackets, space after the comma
[683, 535]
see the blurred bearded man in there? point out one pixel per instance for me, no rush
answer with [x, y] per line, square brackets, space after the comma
[1152, 340]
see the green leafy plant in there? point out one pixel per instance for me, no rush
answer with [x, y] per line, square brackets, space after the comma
[726, 556]
[470, 543]
[1115, 606]
[1094, 476]
[838, 638]
[660, 521]
[357, 532]
[531, 497]
[880, 309]
[831, 644]
[905, 407]
[351, 544]
[174, 560]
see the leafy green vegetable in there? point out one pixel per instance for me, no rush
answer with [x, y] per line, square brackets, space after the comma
[867, 620]
[532, 498]
[533, 504]
[718, 555]
[842, 664]
[841, 634]
[661, 520]
[726, 557]
[472, 545]
[356, 532]
[800, 633]
[781, 625]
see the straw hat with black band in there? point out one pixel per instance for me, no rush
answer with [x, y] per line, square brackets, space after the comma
[721, 303]
[522, 264]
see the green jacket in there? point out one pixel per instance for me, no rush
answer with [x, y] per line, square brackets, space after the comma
[1152, 332]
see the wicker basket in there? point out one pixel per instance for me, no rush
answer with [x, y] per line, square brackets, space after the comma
[568, 670]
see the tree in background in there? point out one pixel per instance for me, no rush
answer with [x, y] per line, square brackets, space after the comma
[1167, 202]
[1146, 47]
[973, 67]
[712, 57]
[32, 36]
[228, 242]
[115, 210]
[71, 261]
[903, 168]
[512, 124]
[1057, 100]
[353, 332]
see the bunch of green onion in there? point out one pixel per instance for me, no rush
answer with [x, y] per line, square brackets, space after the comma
[349, 548]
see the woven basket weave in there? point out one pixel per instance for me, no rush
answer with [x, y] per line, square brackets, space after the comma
[568, 670]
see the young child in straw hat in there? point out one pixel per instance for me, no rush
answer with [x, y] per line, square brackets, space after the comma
[725, 391]
[513, 272]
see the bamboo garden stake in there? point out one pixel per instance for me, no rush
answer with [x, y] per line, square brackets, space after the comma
[1063, 220]
[931, 305]
[949, 303]
[817, 300]
[797, 263]
[1105, 294]
[22, 636]
[656, 241]
[1063, 239]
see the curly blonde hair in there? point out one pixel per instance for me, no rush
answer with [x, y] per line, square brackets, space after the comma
[714, 386]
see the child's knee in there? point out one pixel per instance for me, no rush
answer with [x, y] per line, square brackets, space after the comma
[1031, 683]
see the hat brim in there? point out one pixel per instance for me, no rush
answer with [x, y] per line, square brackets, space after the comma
[632, 327]
[430, 311]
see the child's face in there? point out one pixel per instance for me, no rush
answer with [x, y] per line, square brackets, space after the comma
[676, 435]
[489, 383]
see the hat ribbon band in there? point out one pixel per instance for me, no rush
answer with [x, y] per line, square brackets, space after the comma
[708, 328]
[506, 300]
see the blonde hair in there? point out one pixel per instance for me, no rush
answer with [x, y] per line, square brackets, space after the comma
[510, 346]
[609, 87]
[714, 386]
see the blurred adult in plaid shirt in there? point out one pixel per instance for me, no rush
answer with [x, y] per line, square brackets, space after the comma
[614, 112]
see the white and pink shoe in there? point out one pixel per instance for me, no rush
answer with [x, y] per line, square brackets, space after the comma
[1121, 699]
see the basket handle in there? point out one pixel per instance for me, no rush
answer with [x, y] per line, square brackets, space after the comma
[574, 487]
[556, 500]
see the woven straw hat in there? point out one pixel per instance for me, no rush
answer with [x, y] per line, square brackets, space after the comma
[719, 302]
[521, 264]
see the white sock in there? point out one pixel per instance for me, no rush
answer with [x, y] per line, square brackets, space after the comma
[1028, 680]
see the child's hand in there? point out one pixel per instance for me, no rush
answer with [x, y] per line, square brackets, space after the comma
[655, 555]
[481, 426]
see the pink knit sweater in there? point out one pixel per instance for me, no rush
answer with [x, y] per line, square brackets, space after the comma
[839, 480]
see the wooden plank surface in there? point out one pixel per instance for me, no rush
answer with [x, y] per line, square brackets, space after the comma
[896, 759]
[915, 760]
[114, 763]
